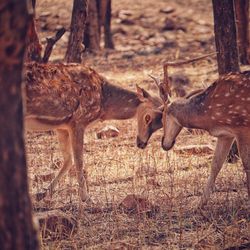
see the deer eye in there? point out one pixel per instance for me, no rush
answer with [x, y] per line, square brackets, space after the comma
[147, 118]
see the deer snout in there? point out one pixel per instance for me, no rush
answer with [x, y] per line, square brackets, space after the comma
[140, 144]
[167, 145]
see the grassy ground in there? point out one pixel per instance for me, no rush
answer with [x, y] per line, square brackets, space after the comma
[173, 181]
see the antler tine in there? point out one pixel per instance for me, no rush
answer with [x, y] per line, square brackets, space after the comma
[156, 80]
[165, 90]
[189, 60]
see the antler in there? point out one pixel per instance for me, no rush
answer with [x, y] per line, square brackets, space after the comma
[156, 79]
[164, 87]
[161, 86]
[188, 60]
[165, 91]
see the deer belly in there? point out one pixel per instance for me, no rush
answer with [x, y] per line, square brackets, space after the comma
[41, 124]
[221, 131]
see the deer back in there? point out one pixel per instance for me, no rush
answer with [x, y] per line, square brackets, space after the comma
[226, 103]
[58, 90]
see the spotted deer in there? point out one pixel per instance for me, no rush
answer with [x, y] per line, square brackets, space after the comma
[149, 115]
[223, 109]
[68, 98]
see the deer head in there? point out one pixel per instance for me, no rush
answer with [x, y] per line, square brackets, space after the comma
[149, 115]
[171, 128]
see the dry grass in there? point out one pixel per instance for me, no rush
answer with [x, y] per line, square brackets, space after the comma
[170, 180]
[176, 186]
[117, 167]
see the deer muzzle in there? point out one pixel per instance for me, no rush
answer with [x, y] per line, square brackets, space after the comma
[140, 144]
[167, 145]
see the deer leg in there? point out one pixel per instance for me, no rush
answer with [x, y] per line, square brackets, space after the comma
[64, 143]
[77, 148]
[244, 148]
[222, 148]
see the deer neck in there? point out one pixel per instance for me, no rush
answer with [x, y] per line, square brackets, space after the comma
[187, 114]
[118, 103]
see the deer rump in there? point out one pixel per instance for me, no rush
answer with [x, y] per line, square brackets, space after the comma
[56, 92]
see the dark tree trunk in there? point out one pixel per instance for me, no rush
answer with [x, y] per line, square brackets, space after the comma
[225, 36]
[33, 48]
[242, 23]
[34, 4]
[226, 45]
[99, 18]
[78, 20]
[108, 41]
[51, 41]
[92, 31]
[16, 225]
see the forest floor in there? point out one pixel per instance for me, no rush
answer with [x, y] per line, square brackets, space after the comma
[145, 36]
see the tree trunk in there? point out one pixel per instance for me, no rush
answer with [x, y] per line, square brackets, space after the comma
[78, 20]
[92, 32]
[225, 36]
[226, 45]
[242, 23]
[108, 41]
[16, 225]
[34, 48]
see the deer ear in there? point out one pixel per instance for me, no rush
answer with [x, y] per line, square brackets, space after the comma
[147, 118]
[142, 94]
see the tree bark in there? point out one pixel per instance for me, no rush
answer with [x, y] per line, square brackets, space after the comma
[108, 41]
[33, 48]
[51, 41]
[225, 36]
[78, 20]
[242, 23]
[16, 225]
[226, 45]
[92, 32]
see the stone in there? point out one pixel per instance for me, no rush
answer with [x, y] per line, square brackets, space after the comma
[56, 225]
[107, 132]
[136, 204]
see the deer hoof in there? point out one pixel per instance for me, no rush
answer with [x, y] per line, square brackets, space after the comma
[83, 194]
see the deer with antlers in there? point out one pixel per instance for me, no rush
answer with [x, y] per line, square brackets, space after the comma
[67, 98]
[149, 115]
[223, 109]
